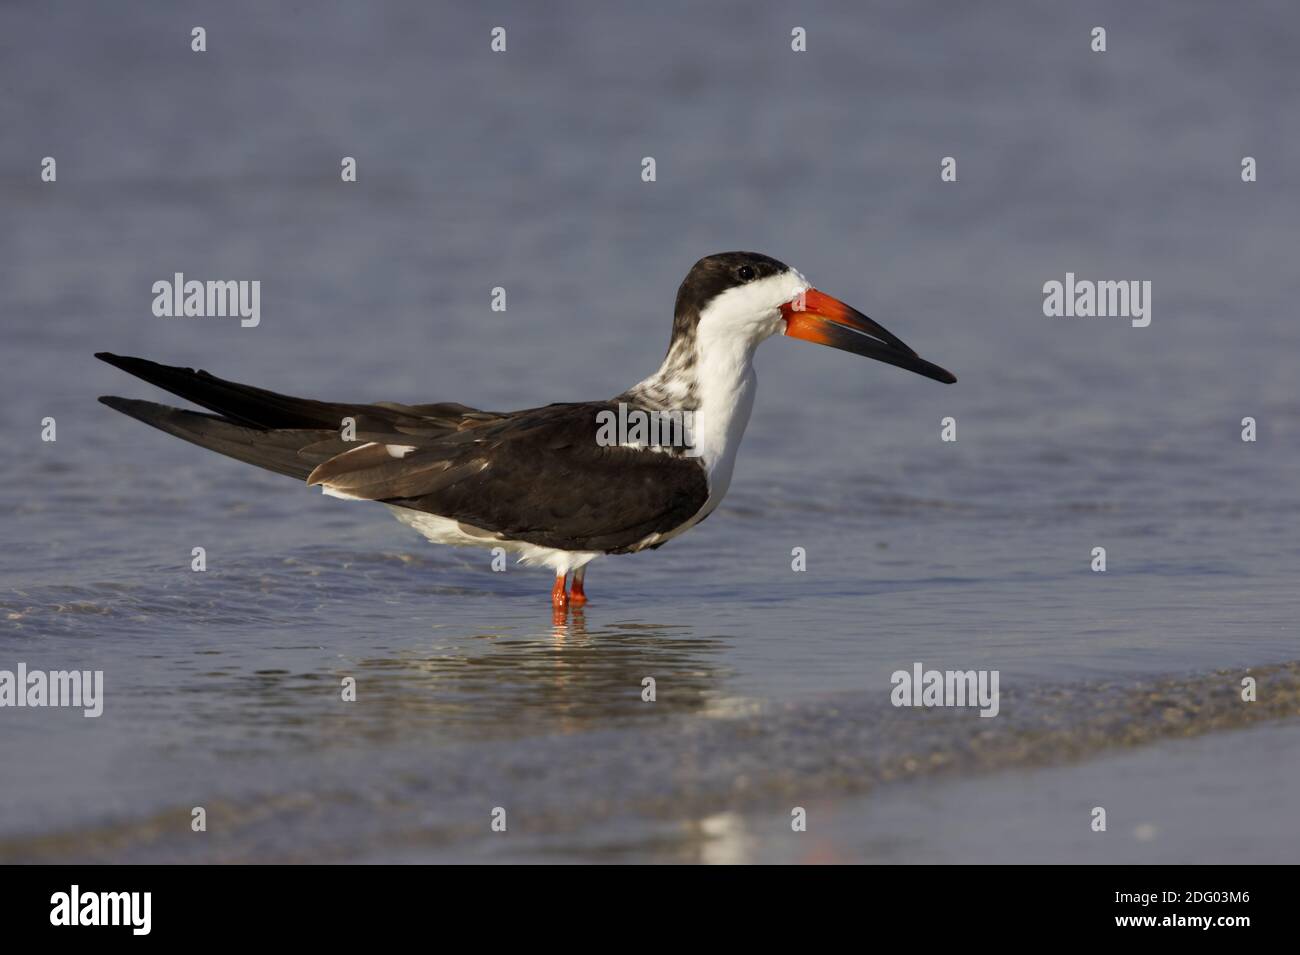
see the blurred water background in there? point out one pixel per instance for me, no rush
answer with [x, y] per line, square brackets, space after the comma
[522, 170]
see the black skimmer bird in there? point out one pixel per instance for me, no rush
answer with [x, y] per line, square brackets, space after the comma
[540, 482]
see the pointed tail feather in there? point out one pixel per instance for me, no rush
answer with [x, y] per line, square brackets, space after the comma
[277, 451]
[243, 404]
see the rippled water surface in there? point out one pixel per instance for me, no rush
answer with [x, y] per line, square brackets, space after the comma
[522, 170]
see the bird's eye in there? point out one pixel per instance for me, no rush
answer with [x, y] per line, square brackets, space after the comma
[745, 272]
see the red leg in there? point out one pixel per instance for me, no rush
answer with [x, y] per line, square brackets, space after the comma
[578, 596]
[558, 598]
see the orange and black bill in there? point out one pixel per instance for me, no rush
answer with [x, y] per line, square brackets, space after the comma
[816, 317]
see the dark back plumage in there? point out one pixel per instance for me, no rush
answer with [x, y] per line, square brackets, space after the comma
[536, 475]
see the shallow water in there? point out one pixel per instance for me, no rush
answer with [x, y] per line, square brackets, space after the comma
[522, 171]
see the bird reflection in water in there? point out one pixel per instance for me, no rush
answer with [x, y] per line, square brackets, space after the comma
[519, 681]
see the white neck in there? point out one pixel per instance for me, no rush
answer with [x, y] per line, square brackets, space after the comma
[712, 376]
[725, 382]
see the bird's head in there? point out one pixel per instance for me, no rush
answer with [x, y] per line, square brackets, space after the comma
[742, 298]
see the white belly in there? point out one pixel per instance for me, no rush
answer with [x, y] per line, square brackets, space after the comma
[444, 530]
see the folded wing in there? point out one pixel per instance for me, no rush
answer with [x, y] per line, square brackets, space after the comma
[536, 475]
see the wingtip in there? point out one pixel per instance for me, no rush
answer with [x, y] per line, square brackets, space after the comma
[117, 361]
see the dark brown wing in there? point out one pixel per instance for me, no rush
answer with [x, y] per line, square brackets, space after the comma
[281, 433]
[537, 476]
